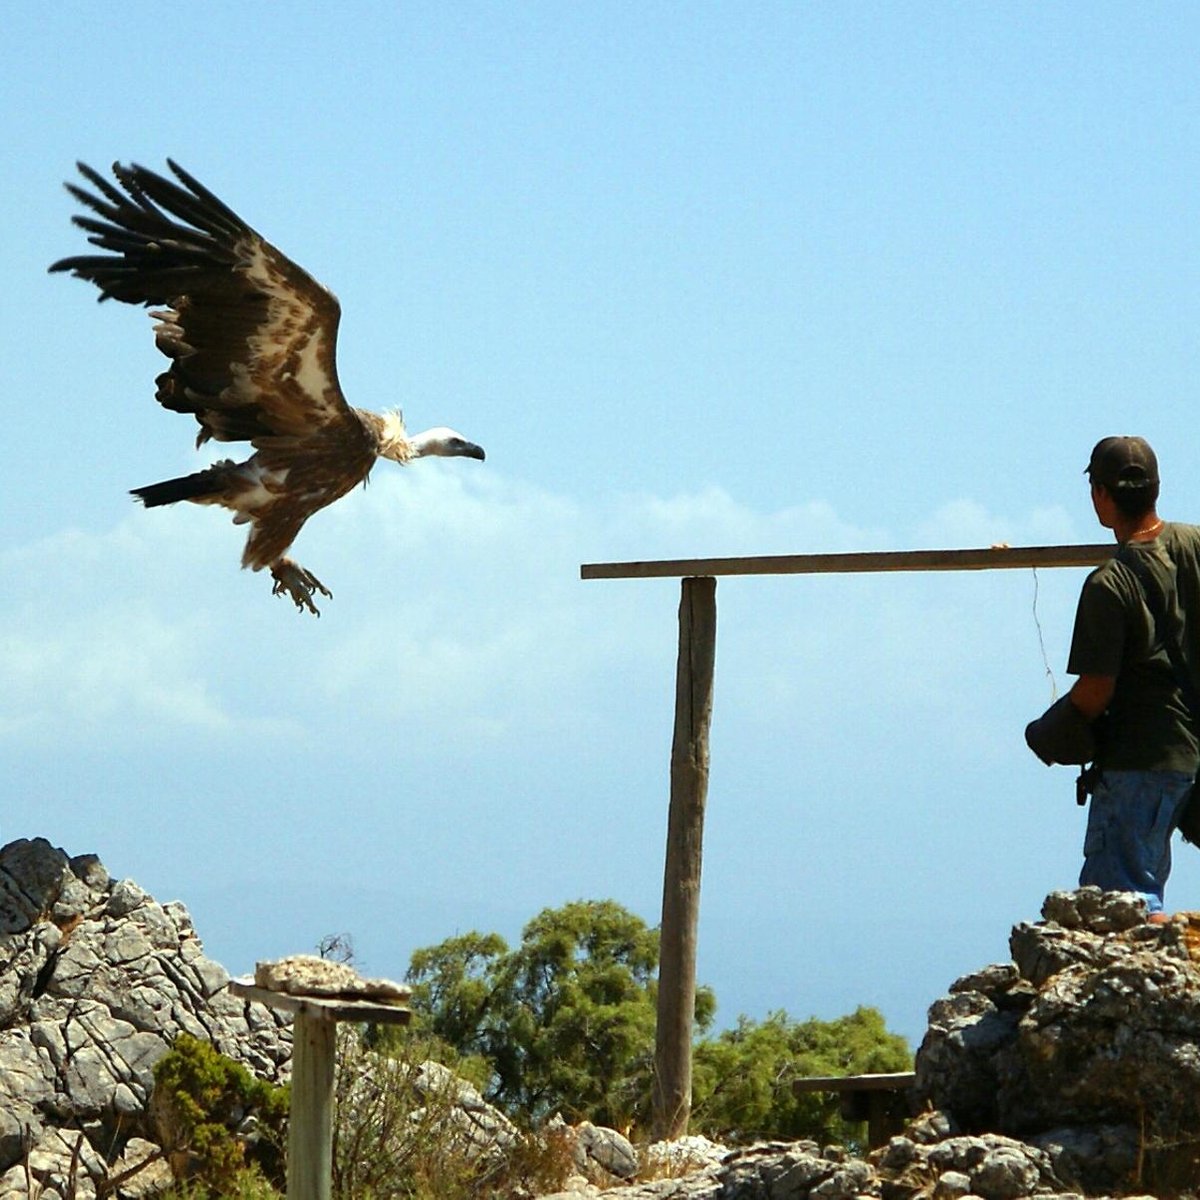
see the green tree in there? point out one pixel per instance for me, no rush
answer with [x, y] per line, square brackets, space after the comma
[742, 1079]
[454, 992]
[566, 1021]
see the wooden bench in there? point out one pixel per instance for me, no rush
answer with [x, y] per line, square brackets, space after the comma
[880, 1100]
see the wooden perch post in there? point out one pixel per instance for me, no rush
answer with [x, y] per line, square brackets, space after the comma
[681, 876]
[310, 1120]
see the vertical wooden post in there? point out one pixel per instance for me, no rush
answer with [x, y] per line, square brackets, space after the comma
[681, 875]
[310, 1126]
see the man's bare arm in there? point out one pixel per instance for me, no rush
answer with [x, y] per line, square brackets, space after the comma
[1092, 694]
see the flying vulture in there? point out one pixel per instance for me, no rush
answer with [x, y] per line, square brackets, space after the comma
[252, 340]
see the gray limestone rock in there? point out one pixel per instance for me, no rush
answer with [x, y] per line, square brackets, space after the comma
[1094, 910]
[1099, 1039]
[484, 1128]
[1005, 1173]
[59, 1165]
[1090, 1159]
[97, 980]
[598, 1146]
[951, 1186]
[683, 1155]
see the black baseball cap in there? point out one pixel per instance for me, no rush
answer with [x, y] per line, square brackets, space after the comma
[1123, 462]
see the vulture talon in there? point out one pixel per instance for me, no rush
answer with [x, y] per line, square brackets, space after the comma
[298, 584]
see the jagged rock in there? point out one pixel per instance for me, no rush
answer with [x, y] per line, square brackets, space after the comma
[685, 1154]
[965, 1056]
[96, 981]
[998, 1168]
[951, 1186]
[484, 1129]
[931, 1126]
[701, 1185]
[775, 1171]
[1092, 909]
[1089, 1159]
[60, 1165]
[1088, 1035]
[142, 1171]
[599, 1147]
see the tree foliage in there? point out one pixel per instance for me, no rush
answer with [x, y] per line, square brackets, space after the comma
[565, 1022]
[742, 1079]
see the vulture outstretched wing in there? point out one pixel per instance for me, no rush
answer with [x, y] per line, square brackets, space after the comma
[251, 336]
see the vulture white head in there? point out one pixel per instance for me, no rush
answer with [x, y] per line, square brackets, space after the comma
[445, 443]
[396, 444]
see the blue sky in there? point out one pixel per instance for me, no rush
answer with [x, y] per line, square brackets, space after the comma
[703, 279]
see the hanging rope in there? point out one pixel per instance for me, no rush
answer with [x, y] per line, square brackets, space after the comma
[1037, 622]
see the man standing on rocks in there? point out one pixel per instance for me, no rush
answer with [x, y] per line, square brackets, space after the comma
[1127, 710]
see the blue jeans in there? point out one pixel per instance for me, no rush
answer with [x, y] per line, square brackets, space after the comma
[1127, 847]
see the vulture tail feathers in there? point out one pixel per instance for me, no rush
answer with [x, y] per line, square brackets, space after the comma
[209, 482]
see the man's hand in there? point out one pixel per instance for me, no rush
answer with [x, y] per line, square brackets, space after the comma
[1062, 734]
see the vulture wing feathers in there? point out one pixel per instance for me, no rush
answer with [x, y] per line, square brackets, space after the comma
[252, 336]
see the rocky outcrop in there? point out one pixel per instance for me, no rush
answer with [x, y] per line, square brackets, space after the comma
[1071, 1070]
[1085, 1044]
[992, 1167]
[96, 981]
[482, 1129]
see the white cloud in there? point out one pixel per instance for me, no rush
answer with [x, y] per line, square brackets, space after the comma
[460, 615]
[710, 523]
[966, 523]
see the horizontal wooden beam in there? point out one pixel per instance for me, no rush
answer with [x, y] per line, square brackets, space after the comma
[1000, 558]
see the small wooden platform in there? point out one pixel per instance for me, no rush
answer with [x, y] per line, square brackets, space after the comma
[881, 1100]
[330, 1008]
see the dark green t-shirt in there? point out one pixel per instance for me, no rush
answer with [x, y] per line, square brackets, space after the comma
[1147, 725]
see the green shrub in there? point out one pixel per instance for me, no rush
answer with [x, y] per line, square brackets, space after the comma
[246, 1184]
[200, 1101]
